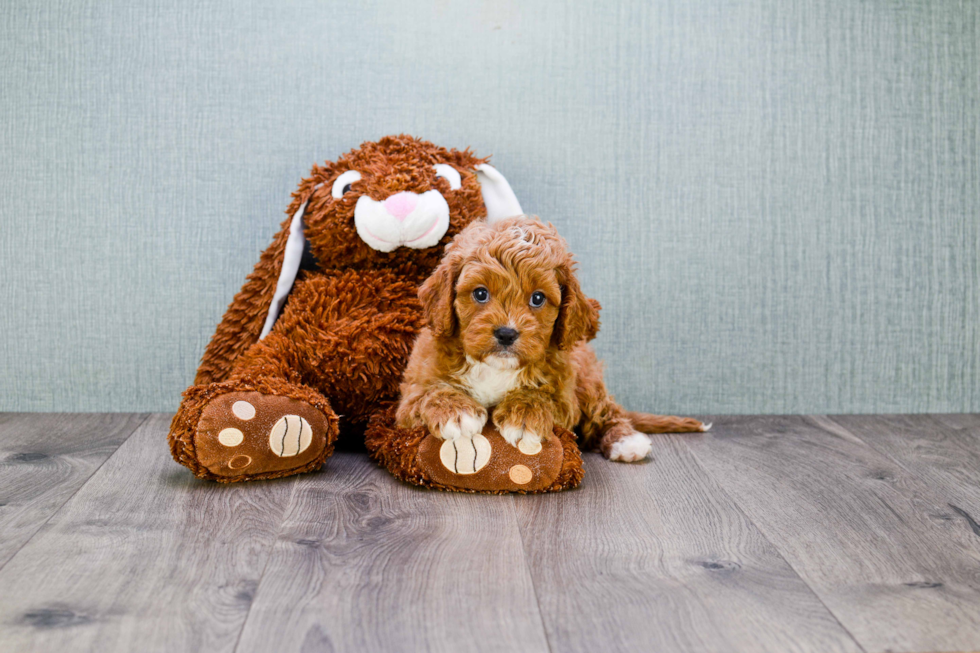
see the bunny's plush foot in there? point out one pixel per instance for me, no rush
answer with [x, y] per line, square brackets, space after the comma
[248, 435]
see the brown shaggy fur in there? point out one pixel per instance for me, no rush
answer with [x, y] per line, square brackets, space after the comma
[558, 377]
[346, 331]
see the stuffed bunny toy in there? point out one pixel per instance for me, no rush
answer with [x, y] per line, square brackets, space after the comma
[322, 329]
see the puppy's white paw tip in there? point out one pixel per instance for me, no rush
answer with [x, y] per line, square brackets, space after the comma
[513, 434]
[463, 425]
[470, 425]
[450, 430]
[706, 427]
[631, 448]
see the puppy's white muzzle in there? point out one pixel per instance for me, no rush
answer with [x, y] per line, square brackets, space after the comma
[403, 220]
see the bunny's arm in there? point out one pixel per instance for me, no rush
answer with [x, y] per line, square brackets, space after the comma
[242, 323]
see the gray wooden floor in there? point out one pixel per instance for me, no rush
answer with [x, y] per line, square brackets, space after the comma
[767, 534]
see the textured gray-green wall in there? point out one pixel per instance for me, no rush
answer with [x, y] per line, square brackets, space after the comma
[777, 202]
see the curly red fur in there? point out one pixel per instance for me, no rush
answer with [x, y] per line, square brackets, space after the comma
[549, 376]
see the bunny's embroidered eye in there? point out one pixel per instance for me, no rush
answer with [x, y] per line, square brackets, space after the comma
[481, 295]
[538, 299]
[343, 183]
[450, 174]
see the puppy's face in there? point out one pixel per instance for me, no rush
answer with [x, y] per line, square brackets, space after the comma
[507, 292]
[506, 316]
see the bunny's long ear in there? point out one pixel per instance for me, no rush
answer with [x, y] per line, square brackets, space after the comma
[292, 256]
[256, 306]
[497, 194]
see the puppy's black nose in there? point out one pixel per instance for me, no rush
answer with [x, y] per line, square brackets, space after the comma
[505, 335]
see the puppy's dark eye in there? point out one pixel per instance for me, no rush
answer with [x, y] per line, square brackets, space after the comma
[481, 295]
[538, 299]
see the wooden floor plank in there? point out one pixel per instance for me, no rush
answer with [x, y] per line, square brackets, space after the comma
[144, 557]
[126, 551]
[656, 557]
[365, 563]
[44, 459]
[872, 539]
[959, 420]
[944, 457]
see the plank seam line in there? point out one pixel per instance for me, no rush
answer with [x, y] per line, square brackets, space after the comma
[268, 559]
[762, 533]
[530, 576]
[95, 471]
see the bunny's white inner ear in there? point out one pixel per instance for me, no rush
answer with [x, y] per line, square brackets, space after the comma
[290, 266]
[497, 194]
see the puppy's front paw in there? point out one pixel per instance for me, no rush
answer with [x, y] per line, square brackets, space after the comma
[524, 423]
[512, 434]
[461, 425]
[630, 448]
[527, 441]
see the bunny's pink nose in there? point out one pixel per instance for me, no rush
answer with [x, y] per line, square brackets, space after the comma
[401, 204]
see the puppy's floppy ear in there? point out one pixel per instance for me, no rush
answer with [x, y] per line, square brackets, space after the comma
[578, 316]
[438, 294]
[256, 306]
[497, 194]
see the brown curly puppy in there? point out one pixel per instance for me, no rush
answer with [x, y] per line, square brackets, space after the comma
[278, 374]
[507, 328]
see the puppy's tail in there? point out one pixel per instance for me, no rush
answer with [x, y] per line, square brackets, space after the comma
[647, 423]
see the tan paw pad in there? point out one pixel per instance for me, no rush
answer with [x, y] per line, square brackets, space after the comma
[465, 455]
[243, 410]
[520, 474]
[529, 446]
[240, 462]
[231, 437]
[290, 436]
